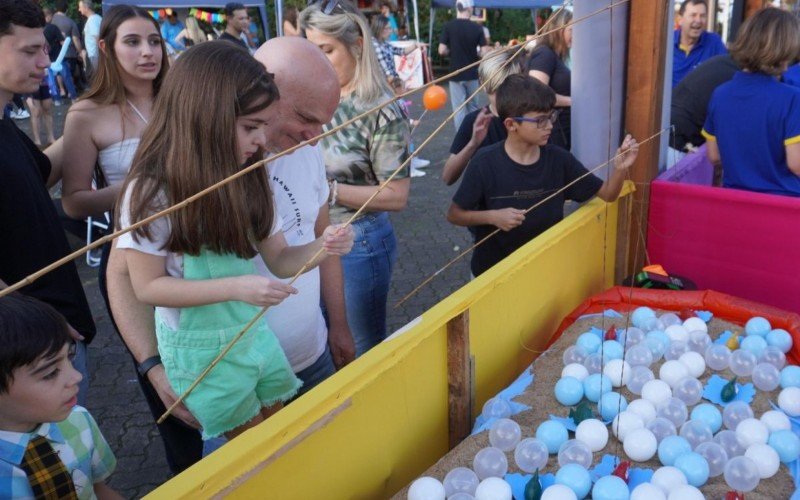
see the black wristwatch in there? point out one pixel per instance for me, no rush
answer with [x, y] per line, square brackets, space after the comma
[146, 365]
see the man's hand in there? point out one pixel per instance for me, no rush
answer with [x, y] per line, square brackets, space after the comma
[343, 348]
[481, 126]
[627, 153]
[158, 378]
[508, 218]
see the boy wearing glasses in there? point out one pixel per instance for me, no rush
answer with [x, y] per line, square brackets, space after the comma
[505, 179]
[49, 446]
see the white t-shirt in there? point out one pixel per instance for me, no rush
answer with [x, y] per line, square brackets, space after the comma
[160, 230]
[299, 188]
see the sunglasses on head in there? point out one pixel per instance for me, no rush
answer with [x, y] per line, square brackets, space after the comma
[329, 7]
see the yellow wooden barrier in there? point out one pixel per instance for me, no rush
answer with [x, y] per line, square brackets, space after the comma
[378, 423]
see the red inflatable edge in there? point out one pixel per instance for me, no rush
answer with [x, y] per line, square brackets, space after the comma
[723, 306]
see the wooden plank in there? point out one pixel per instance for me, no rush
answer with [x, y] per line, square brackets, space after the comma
[459, 379]
[647, 50]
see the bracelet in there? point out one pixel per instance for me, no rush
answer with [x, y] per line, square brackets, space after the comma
[148, 364]
[334, 188]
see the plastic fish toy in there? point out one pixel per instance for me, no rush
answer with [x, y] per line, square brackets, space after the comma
[533, 490]
[622, 470]
[611, 333]
[733, 342]
[729, 391]
[581, 412]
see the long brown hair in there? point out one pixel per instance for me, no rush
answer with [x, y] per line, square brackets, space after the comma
[191, 143]
[554, 37]
[107, 85]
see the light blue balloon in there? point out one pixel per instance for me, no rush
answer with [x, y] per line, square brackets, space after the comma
[757, 326]
[610, 488]
[576, 478]
[590, 342]
[786, 443]
[640, 314]
[709, 414]
[553, 434]
[790, 376]
[611, 349]
[694, 467]
[781, 339]
[658, 342]
[671, 447]
[569, 391]
[595, 385]
[610, 404]
[754, 344]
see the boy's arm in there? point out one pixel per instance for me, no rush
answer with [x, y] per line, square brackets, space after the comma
[105, 492]
[626, 156]
[505, 218]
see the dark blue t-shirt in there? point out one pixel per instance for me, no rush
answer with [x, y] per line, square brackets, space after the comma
[792, 75]
[494, 181]
[753, 118]
[707, 46]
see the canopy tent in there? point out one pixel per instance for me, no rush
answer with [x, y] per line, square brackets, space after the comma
[188, 4]
[485, 4]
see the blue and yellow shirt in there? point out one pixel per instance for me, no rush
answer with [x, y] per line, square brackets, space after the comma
[792, 75]
[684, 59]
[753, 117]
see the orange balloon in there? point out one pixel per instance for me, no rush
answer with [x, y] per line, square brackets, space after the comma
[434, 97]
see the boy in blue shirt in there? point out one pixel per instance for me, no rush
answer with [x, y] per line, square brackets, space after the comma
[49, 446]
[753, 122]
[505, 179]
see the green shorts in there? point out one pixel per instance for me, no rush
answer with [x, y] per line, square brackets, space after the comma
[254, 374]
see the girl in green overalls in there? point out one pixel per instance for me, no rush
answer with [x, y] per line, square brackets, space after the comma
[196, 265]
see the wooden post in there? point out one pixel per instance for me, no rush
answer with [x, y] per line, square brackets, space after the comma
[647, 48]
[459, 379]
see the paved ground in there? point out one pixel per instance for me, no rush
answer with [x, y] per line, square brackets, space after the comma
[426, 243]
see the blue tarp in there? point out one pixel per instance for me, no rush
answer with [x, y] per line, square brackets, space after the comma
[188, 4]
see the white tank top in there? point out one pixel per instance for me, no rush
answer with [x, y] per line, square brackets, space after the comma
[115, 160]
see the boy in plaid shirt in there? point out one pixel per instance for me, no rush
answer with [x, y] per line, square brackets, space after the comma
[49, 447]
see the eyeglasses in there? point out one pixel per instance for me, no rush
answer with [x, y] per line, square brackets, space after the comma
[329, 7]
[540, 121]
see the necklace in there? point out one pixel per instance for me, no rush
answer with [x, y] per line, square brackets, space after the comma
[136, 110]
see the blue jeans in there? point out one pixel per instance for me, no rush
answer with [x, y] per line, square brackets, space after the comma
[459, 91]
[367, 272]
[80, 363]
[311, 376]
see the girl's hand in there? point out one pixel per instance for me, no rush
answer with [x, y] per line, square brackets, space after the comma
[337, 240]
[628, 151]
[259, 291]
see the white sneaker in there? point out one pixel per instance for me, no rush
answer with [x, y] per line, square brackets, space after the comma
[20, 115]
[419, 162]
[416, 173]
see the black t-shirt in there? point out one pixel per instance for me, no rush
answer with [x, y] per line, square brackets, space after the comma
[494, 181]
[463, 37]
[32, 236]
[230, 38]
[544, 59]
[497, 132]
[54, 40]
[691, 96]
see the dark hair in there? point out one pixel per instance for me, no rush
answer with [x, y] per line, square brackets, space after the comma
[376, 25]
[29, 330]
[520, 94]
[290, 14]
[682, 8]
[61, 5]
[767, 42]
[20, 13]
[230, 7]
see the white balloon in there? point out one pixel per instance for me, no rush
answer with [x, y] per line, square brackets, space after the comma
[694, 323]
[686, 492]
[624, 423]
[766, 458]
[773, 419]
[618, 371]
[694, 362]
[558, 492]
[672, 372]
[647, 491]
[677, 333]
[644, 409]
[668, 478]
[593, 433]
[493, 488]
[640, 445]
[576, 370]
[657, 391]
[751, 431]
[426, 488]
[789, 401]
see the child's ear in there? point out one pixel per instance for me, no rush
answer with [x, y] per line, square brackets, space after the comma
[510, 124]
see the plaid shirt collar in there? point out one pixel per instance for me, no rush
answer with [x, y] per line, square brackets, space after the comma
[13, 444]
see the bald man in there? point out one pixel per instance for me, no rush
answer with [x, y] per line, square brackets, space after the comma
[309, 95]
